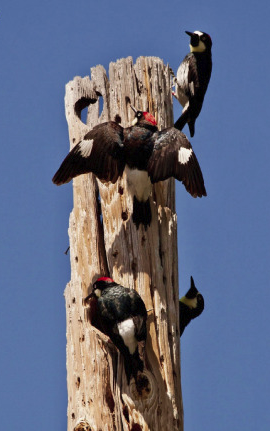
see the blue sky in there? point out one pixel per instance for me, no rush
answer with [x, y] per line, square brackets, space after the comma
[223, 239]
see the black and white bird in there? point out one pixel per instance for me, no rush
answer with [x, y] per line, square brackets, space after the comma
[190, 306]
[146, 154]
[122, 316]
[192, 79]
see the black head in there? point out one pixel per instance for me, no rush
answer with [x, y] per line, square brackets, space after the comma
[99, 285]
[193, 299]
[192, 292]
[199, 41]
[143, 117]
[200, 302]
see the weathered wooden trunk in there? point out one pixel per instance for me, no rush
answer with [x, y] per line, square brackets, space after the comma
[98, 395]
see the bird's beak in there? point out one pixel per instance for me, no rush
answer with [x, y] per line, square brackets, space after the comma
[133, 109]
[189, 33]
[89, 297]
[135, 119]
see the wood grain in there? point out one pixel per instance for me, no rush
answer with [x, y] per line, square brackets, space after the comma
[98, 395]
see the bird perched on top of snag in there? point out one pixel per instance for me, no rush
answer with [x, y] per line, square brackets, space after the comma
[122, 316]
[191, 305]
[146, 154]
[192, 79]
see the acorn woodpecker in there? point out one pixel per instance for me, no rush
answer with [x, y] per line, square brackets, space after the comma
[147, 155]
[192, 79]
[122, 316]
[190, 306]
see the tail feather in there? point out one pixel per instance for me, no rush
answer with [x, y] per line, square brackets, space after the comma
[185, 119]
[133, 364]
[128, 367]
[141, 213]
[191, 126]
[182, 120]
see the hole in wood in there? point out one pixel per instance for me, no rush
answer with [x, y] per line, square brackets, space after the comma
[100, 105]
[82, 105]
[78, 382]
[134, 266]
[136, 427]
[143, 385]
[124, 215]
[117, 119]
[142, 389]
[83, 115]
[125, 413]
[99, 209]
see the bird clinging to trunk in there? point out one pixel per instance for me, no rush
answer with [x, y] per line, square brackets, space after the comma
[192, 79]
[146, 154]
[190, 306]
[121, 314]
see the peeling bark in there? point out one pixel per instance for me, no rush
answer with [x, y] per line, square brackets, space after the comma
[98, 395]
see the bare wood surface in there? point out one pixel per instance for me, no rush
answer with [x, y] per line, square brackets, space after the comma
[98, 395]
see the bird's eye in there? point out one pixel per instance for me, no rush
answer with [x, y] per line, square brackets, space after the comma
[139, 114]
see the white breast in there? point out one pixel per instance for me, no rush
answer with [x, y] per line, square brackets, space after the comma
[127, 331]
[139, 183]
[182, 83]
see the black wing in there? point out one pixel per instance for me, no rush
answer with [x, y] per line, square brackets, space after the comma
[193, 77]
[189, 81]
[100, 152]
[139, 315]
[173, 156]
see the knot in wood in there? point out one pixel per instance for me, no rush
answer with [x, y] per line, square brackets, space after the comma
[83, 426]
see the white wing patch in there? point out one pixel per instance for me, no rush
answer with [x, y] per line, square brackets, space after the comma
[127, 331]
[86, 147]
[184, 155]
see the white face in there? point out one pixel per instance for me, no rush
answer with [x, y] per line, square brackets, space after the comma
[191, 303]
[135, 121]
[98, 293]
[201, 47]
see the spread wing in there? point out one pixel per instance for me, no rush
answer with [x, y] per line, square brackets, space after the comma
[100, 152]
[173, 156]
